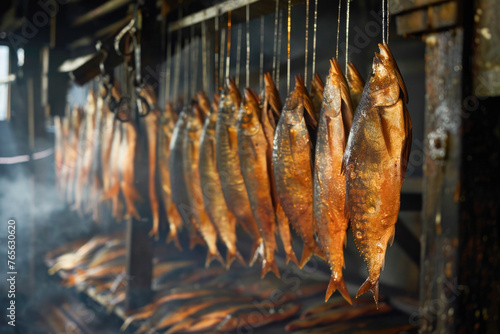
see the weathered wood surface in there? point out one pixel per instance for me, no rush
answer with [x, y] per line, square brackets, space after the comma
[440, 229]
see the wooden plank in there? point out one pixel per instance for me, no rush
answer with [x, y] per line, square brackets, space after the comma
[486, 68]
[428, 19]
[102, 10]
[440, 219]
[398, 6]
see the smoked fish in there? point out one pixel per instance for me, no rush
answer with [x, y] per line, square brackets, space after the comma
[253, 155]
[317, 88]
[178, 184]
[191, 149]
[228, 165]
[213, 199]
[329, 183]
[271, 111]
[374, 163]
[356, 83]
[292, 163]
[165, 133]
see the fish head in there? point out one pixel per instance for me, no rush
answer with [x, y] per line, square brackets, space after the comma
[248, 117]
[204, 103]
[272, 96]
[215, 103]
[354, 79]
[195, 121]
[233, 93]
[310, 116]
[384, 84]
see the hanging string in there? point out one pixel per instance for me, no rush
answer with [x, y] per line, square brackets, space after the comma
[216, 57]
[307, 42]
[177, 68]
[228, 56]
[192, 50]
[278, 61]
[276, 13]
[347, 36]
[248, 47]
[186, 70]
[195, 64]
[289, 31]
[383, 21]
[238, 56]
[204, 51]
[338, 32]
[261, 67]
[388, 19]
[315, 27]
[168, 69]
[222, 56]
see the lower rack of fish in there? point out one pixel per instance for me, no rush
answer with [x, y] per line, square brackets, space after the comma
[189, 298]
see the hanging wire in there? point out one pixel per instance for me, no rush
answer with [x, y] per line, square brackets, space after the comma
[204, 51]
[338, 31]
[289, 31]
[216, 57]
[169, 66]
[276, 14]
[347, 36]
[193, 69]
[261, 67]
[177, 68]
[186, 69]
[278, 61]
[388, 19]
[238, 56]
[315, 28]
[248, 46]
[307, 42]
[222, 55]
[383, 21]
[195, 64]
[228, 55]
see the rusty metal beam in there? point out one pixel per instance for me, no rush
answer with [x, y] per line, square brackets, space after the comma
[427, 19]
[100, 11]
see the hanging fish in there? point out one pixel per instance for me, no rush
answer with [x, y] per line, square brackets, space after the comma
[271, 111]
[375, 161]
[292, 163]
[228, 165]
[317, 88]
[178, 183]
[329, 183]
[191, 148]
[355, 83]
[215, 205]
[166, 129]
[253, 153]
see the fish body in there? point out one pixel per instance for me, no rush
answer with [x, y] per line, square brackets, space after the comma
[356, 83]
[375, 162]
[228, 164]
[271, 111]
[165, 133]
[191, 148]
[253, 150]
[329, 182]
[213, 199]
[292, 163]
[180, 196]
[126, 167]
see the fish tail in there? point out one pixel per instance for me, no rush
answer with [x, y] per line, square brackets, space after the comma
[127, 323]
[213, 255]
[257, 250]
[173, 237]
[268, 266]
[337, 284]
[306, 255]
[111, 192]
[369, 285]
[290, 256]
[235, 255]
[195, 239]
[154, 232]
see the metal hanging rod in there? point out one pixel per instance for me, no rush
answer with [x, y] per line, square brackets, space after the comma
[265, 7]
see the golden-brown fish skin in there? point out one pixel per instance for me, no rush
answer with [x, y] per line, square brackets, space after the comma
[271, 110]
[317, 89]
[126, 166]
[228, 165]
[166, 129]
[329, 182]
[177, 182]
[356, 84]
[375, 162]
[191, 148]
[214, 201]
[253, 150]
[292, 163]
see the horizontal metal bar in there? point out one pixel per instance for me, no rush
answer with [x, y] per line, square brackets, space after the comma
[102, 10]
[209, 13]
